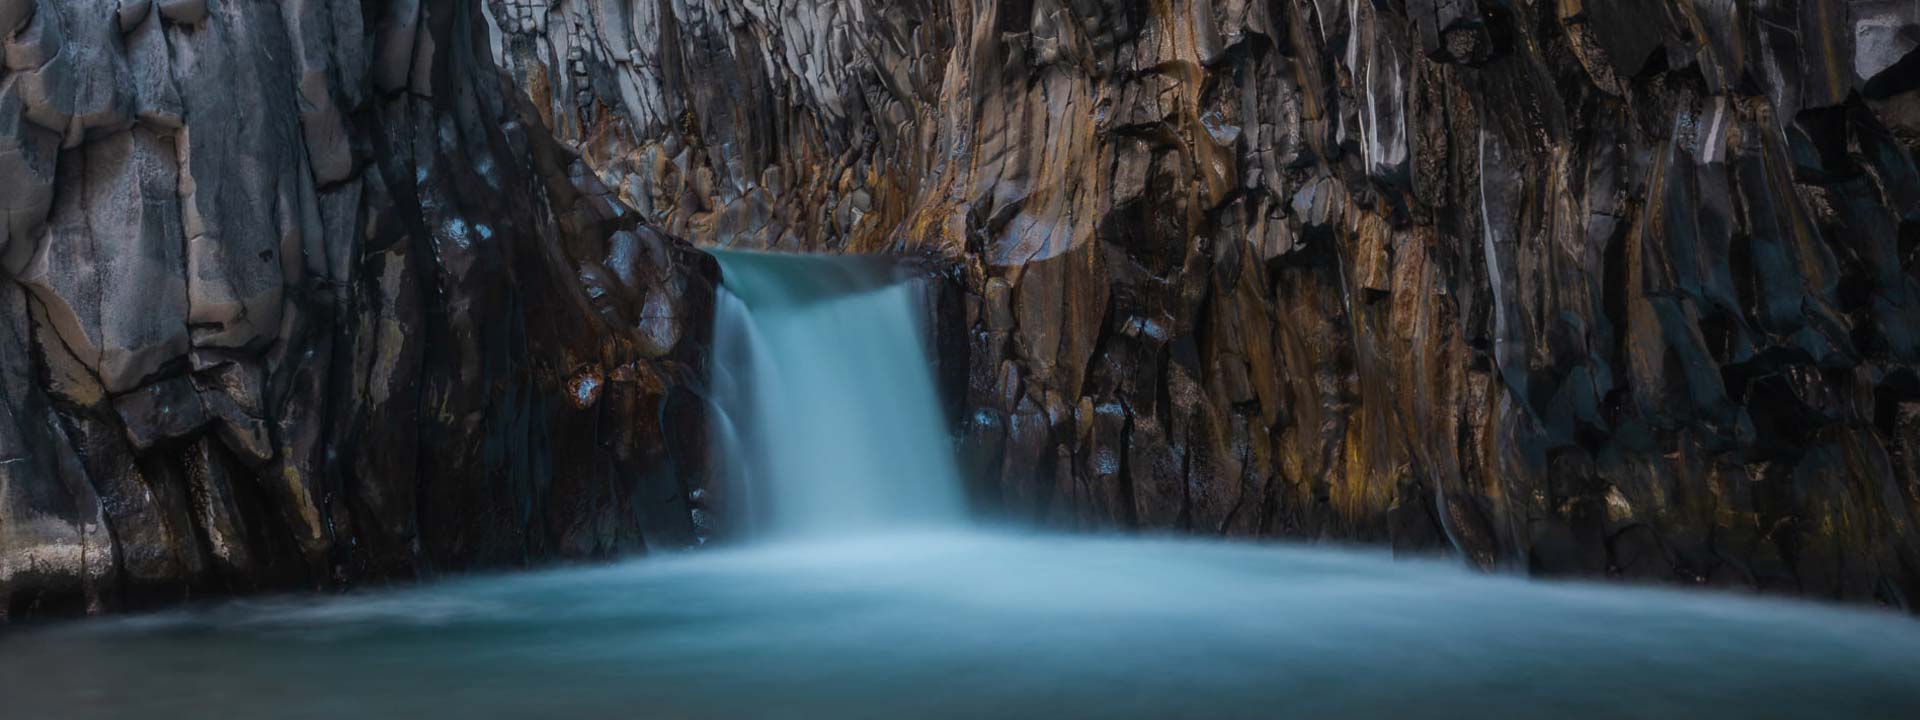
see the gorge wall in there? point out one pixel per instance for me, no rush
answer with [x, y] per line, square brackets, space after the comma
[316, 292]
[1603, 288]
[301, 294]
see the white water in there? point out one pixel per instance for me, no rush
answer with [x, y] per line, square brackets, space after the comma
[828, 398]
[826, 413]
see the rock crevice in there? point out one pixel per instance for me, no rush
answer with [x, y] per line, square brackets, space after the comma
[323, 291]
[304, 294]
[1621, 288]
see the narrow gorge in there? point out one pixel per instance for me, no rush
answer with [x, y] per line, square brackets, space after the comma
[1620, 289]
[318, 294]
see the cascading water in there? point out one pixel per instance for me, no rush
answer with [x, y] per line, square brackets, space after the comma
[824, 400]
[826, 408]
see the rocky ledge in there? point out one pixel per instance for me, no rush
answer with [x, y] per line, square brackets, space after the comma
[303, 294]
[1620, 288]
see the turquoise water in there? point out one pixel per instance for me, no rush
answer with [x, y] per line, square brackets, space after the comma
[825, 410]
[980, 625]
[843, 604]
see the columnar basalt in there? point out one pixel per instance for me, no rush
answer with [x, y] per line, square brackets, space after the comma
[318, 291]
[304, 294]
[1600, 288]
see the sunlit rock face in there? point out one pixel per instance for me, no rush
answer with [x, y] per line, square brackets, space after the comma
[303, 294]
[1598, 288]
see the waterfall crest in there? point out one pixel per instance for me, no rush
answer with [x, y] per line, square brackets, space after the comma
[826, 416]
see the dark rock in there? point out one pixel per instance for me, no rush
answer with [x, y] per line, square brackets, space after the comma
[1595, 288]
[13, 14]
[28, 154]
[1357, 270]
[272, 325]
[162, 411]
[183, 12]
[56, 549]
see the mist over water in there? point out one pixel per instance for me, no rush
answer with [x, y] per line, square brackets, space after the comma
[862, 593]
[964, 625]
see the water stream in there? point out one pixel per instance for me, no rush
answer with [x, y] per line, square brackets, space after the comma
[824, 398]
[860, 591]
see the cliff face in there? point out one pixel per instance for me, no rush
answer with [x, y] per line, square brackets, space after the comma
[317, 291]
[1621, 288]
[300, 294]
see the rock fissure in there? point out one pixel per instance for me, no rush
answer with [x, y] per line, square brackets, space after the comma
[1622, 289]
[1652, 188]
[315, 426]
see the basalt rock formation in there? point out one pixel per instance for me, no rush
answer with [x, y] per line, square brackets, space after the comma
[302, 294]
[319, 291]
[1603, 288]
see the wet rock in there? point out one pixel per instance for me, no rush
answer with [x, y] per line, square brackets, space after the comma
[232, 395]
[213, 479]
[56, 549]
[162, 411]
[269, 324]
[1619, 288]
[1329, 269]
[147, 509]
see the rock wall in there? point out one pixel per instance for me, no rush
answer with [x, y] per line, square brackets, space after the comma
[1603, 288]
[306, 293]
[302, 294]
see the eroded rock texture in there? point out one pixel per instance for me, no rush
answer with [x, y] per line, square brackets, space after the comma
[302, 293]
[1622, 288]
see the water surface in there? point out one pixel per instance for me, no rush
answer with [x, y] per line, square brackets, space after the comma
[981, 625]
[825, 407]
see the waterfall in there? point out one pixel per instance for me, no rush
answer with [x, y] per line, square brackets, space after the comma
[825, 414]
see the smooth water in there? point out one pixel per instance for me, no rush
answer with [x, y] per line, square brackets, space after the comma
[981, 626]
[825, 408]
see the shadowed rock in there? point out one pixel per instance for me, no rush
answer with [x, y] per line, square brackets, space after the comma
[1599, 288]
[307, 296]
[273, 322]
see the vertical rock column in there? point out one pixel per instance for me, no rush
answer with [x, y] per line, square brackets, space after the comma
[1617, 288]
[302, 297]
